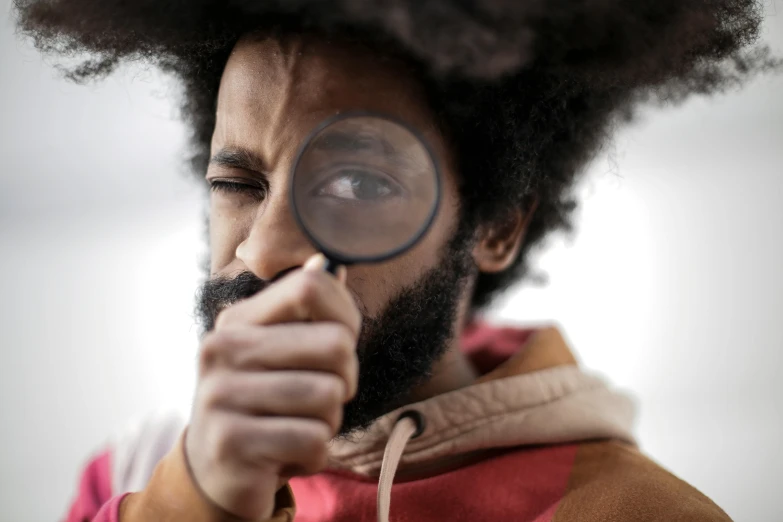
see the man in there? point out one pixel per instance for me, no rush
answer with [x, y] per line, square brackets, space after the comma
[377, 391]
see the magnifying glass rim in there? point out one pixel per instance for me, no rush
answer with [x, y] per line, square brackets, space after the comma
[415, 238]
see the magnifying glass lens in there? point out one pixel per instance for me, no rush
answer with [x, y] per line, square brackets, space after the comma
[364, 188]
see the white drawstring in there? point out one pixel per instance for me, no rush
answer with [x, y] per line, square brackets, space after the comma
[404, 430]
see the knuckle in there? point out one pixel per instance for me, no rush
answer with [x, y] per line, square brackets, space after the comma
[323, 434]
[214, 392]
[218, 345]
[209, 345]
[335, 419]
[306, 437]
[318, 458]
[339, 345]
[299, 389]
[318, 391]
[222, 319]
[226, 440]
[214, 343]
[209, 353]
[330, 390]
[313, 439]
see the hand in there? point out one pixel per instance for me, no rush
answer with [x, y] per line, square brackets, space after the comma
[274, 375]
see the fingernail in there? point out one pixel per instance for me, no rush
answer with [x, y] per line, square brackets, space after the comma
[317, 262]
[342, 274]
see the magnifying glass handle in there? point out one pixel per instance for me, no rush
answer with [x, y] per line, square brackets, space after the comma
[331, 266]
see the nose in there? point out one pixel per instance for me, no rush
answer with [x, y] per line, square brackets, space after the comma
[275, 244]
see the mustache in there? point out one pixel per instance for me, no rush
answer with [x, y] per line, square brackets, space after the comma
[221, 292]
[225, 291]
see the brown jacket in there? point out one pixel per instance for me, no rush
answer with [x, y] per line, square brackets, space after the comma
[534, 439]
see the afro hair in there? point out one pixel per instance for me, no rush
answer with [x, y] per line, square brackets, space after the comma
[527, 91]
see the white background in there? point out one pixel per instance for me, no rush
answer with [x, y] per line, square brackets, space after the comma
[672, 287]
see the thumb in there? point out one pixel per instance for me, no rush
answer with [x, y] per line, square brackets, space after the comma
[318, 263]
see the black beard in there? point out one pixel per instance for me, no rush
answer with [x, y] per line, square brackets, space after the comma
[398, 348]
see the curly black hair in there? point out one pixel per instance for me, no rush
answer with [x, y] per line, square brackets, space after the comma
[526, 91]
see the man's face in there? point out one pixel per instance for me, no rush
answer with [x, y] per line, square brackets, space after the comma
[272, 95]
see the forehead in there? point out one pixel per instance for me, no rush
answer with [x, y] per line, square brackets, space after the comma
[283, 87]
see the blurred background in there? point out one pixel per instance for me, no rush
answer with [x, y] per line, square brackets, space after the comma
[672, 287]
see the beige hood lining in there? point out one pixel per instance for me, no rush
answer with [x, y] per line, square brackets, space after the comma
[556, 404]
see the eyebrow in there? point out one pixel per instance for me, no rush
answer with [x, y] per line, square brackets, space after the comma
[353, 142]
[238, 158]
[359, 142]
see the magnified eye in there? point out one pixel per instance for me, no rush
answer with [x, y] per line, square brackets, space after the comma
[355, 184]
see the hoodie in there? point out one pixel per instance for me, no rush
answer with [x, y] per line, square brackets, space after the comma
[534, 439]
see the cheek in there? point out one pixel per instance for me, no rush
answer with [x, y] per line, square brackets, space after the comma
[225, 235]
[375, 285]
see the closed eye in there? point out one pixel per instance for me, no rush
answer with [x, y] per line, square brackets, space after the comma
[233, 187]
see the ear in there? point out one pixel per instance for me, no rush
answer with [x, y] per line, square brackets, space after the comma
[499, 244]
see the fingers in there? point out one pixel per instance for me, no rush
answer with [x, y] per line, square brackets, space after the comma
[321, 347]
[304, 295]
[312, 395]
[274, 375]
[240, 461]
[296, 444]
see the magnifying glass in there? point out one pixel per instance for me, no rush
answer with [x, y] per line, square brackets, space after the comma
[365, 188]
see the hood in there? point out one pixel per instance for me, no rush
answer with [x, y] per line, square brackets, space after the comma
[536, 395]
